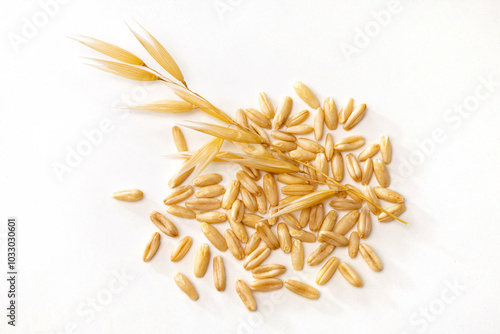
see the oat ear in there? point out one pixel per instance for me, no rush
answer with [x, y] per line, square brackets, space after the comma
[204, 106]
[124, 70]
[109, 50]
[166, 106]
[159, 53]
[224, 132]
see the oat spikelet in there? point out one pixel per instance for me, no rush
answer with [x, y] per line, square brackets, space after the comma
[304, 202]
[204, 106]
[160, 54]
[201, 159]
[226, 133]
[271, 165]
[124, 70]
[166, 106]
[109, 50]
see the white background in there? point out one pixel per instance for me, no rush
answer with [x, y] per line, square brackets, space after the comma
[412, 71]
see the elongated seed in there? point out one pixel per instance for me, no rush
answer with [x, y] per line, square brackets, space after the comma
[252, 244]
[306, 94]
[179, 179]
[350, 275]
[338, 167]
[319, 123]
[207, 180]
[249, 200]
[331, 115]
[370, 257]
[320, 253]
[258, 118]
[268, 271]
[291, 221]
[252, 172]
[239, 229]
[179, 195]
[284, 238]
[349, 143]
[266, 284]
[310, 145]
[386, 149]
[388, 195]
[369, 152]
[265, 105]
[353, 167]
[297, 255]
[164, 224]
[210, 191]
[270, 189]
[219, 273]
[267, 235]
[300, 129]
[203, 204]
[237, 211]
[214, 237]
[303, 235]
[302, 289]
[345, 204]
[186, 286]
[336, 239]
[355, 117]
[250, 219]
[297, 118]
[364, 223]
[304, 217]
[151, 247]
[345, 224]
[381, 173]
[180, 211]
[241, 118]
[302, 155]
[352, 249]
[201, 260]
[290, 179]
[129, 195]
[329, 221]
[260, 132]
[246, 295]
[256, 257]
[285, 146]
[371, 195]
[261, 201]
[231, 194]
[329, 147]
[317, 217]
[367, 172]
[247, 182]
[355, 193]
[211, 217]
[234, 245]
[181, 249]
[179, 140]
[282, 112]
[297, 189]
[282, 135]
[346, 111]
[327, 271]
[396, 210]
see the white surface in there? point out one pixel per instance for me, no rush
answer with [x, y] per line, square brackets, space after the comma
[73, 236]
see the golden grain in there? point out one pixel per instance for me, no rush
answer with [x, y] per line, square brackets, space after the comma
[267, 235]
[336, 239]
[256, 257]
[266, 284]
[338, 167]
[284, 238]
[350, 275]
[371, 195]
[346, 111]
[349, 143]
[320, 253]
[297, 255]
[367, 172]
[252, 244]
[302, 289]
[214, 237]
[211, 217]
[306, 94]
[352, 249]
[369, 152]
[345, 204]
[186, 286]
[300, 129]
[268, 271]
[231, 194]
[210, 191]
[179, 195]
[151, 247]
[180, 211]
[234, 245]
[181, 248]
[329, 221]
[345, 224]
[302, 155]
[265, 105]
[327, 271]
[179, 140]
[355, 117]
[388, 195]
[203, 204]
[246, 295]
[381, 173]
[331, 116]
[297, 118]
[319, 123]
[364, 223]
[129, 195]
[207, 180]
[396, 210]
[353, 167]
[386, 149]
[164, 224]
[249, 200]
[219, 273]
[282, 112]
[201, 260]
[329, 147]
[370, 257]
